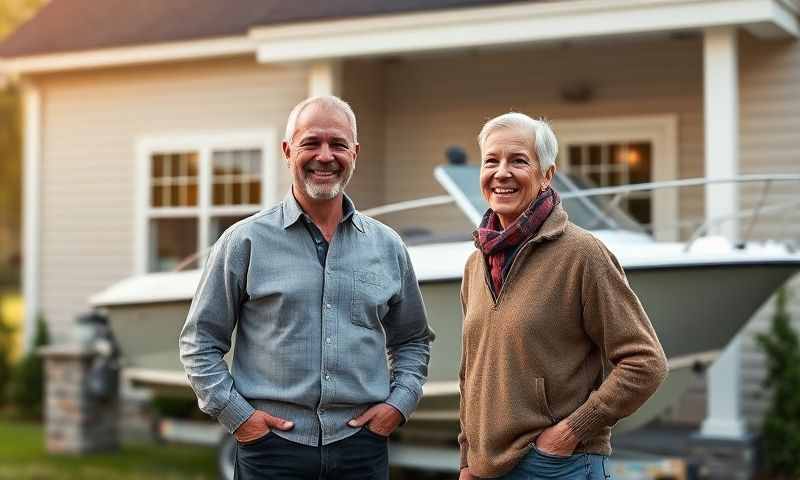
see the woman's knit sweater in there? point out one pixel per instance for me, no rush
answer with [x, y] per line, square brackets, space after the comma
[566, 338]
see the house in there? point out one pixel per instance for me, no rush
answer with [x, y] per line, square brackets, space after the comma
[151, 126]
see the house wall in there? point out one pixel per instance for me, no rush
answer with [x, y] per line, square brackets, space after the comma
[91, 121]
[440, 100]
[363, 86]
[770, 120]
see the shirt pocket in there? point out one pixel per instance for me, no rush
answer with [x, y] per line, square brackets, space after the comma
[370, 304]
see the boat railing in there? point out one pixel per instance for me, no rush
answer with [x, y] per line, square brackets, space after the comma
[618, 193]
[767, 180]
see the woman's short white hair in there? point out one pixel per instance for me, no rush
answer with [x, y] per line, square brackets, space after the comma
[545, 143]
[329, 101]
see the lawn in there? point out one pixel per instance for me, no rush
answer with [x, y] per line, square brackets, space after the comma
[22, 457]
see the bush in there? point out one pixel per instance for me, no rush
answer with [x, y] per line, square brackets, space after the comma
[26, 390]
[781, 430]
[177, 406]
[6, 340]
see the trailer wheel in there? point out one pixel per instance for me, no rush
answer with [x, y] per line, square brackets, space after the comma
[226, 456]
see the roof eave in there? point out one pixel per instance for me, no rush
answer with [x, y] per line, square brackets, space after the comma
[517, 24]
[131, 55]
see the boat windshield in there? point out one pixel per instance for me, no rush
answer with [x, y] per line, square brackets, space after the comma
[591, 213]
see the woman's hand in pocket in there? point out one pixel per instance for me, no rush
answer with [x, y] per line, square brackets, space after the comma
[557, 440]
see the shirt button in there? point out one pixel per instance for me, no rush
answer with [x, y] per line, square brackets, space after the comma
[328, 340]
[328, 306]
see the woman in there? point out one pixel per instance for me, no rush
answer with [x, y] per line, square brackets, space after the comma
[556, 347]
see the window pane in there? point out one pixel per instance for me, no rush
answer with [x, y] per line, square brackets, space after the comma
[574, 155]
[595, 154]
[172, 240]
[640, 163]
[235, 171]
[236, 194]
[157, 200]
[219, 194]
[157, 166]
[639, 208]
[218, 225]
[174, 196]
[255, 193]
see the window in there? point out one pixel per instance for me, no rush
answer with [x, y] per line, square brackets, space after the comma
[611, 164]
[194, 189]
[626, 150]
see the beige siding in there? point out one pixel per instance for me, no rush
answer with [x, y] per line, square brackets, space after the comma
[437, 101]
[91, 121]
[770, 120]
[363, 88]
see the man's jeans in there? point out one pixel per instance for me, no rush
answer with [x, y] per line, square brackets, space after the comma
[362, 456]
[537, 465]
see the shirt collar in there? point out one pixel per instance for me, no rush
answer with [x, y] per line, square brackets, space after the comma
[292, 211]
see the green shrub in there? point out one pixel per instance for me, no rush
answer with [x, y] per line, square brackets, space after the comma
[26, 390]
[6, 340]
[781, 430]
[177, 406]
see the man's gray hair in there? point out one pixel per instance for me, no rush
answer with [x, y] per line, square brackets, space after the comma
[545, 143]
[329, 101]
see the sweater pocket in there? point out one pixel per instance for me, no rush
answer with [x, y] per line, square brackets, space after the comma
[541, 397]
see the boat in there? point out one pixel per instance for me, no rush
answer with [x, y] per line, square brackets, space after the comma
[698, 295]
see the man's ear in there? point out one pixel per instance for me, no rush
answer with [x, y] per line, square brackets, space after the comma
[357, 149]
[286, 149]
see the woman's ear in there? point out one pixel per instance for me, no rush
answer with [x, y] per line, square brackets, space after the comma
[548, 176]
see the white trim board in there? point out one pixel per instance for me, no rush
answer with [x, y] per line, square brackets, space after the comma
[32, 138]
[263, 138]
[660, 130]
[514, 24]
[139, 54]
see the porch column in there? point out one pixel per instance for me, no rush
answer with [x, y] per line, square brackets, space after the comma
[721, 95]
[723, 417]
[31, 111]
[325, 78]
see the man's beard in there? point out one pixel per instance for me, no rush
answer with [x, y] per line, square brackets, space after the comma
[326, 191]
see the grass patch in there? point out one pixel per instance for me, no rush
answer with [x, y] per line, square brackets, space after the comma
[23, 457]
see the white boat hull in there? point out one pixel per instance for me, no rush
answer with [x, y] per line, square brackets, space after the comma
[695, 310]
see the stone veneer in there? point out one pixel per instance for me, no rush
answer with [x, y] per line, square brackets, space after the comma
[76, 421]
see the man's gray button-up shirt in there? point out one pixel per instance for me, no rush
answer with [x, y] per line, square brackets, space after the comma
[316, 343]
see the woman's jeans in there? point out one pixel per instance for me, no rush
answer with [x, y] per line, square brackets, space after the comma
[537, 465]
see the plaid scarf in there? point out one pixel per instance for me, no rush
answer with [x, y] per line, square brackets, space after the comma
[497, 244]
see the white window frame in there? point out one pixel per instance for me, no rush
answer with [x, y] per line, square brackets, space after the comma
[661, 131]
[204, 144]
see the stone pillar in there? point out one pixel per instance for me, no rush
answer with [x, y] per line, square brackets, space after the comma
[77, 421]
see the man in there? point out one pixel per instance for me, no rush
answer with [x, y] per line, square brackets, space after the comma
[319, 295]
